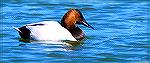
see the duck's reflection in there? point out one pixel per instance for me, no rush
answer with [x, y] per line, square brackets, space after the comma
[74, 45]
[55, 45]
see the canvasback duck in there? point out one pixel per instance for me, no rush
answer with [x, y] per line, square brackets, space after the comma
[53, 30]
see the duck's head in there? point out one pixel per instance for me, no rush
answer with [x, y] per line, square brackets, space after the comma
[73, 17]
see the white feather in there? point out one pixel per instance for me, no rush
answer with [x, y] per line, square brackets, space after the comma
[51, 30]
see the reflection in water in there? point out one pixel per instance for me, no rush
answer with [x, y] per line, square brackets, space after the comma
[64, 45]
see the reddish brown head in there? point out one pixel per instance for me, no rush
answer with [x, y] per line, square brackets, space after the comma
[73, 17]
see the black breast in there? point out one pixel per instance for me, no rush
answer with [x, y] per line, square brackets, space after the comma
[77, 33]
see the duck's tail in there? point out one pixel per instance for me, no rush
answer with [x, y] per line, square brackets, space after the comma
[17, 29]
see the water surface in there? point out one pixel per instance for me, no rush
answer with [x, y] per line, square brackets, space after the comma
[121, 32]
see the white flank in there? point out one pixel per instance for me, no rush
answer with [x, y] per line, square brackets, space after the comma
[51, 30]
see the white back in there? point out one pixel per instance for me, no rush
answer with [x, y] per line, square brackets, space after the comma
[51, 30]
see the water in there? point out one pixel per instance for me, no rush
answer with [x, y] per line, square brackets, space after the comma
[121, 32]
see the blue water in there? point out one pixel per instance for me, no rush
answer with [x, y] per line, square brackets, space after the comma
[121, 34]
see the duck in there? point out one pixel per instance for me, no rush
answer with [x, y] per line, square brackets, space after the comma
[66, 29]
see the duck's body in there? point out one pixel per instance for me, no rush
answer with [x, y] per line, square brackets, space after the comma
[52, 30]
[47, 30]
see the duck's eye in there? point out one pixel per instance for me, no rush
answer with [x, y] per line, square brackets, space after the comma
[78, 22]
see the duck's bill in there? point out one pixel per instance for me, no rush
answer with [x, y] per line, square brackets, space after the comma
[86, 24]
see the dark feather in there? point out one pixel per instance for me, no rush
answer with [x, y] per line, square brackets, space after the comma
[37, 24]
[25, 32]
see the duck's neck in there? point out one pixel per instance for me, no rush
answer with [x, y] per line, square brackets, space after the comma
[67, 24]
[75, 31]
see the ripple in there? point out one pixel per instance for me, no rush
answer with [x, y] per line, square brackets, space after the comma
[110, 59]
[88, 8]
[4, 35]
[56, 55]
